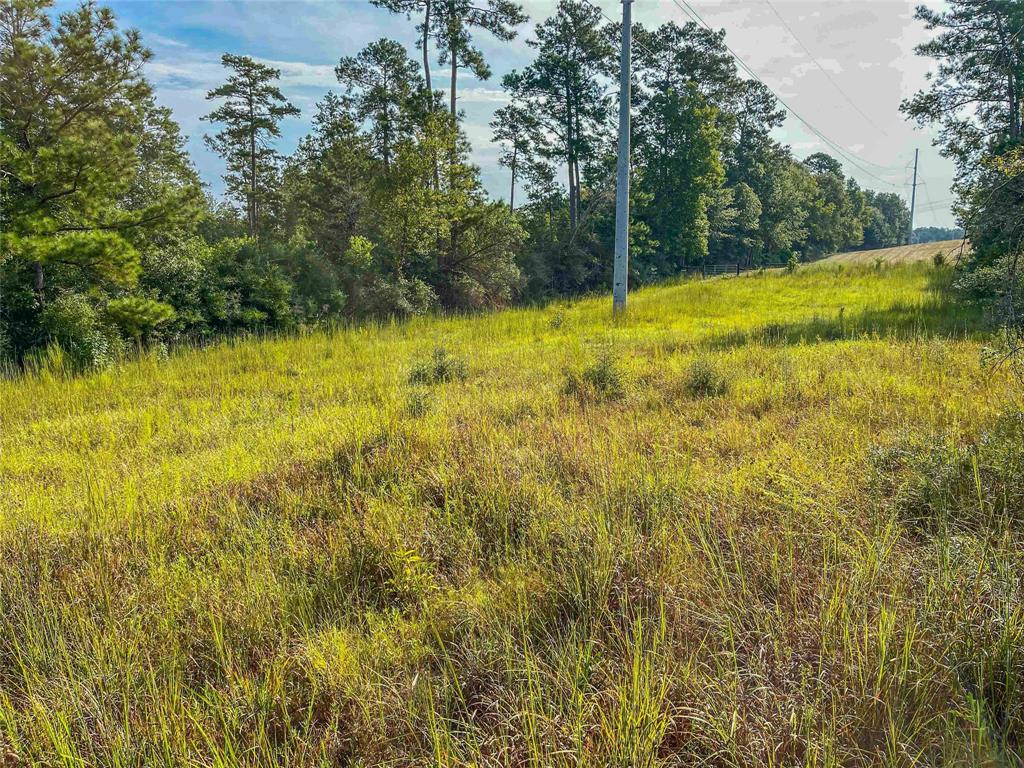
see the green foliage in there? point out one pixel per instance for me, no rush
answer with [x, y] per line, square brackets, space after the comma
[251, 113]
[93, 171]
[138, 317]
[703, 379]
[937, 234]
[974, 100]
[385, 90]
[441, 368]
[678, 148]
[602, 380]
[79, 337]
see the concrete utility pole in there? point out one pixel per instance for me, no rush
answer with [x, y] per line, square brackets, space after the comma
[620, 277]
[913, 202]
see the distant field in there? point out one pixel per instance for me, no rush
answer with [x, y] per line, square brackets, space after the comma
[765, 520]
[901, 255]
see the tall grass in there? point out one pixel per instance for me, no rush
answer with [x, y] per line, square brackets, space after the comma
[770, 520]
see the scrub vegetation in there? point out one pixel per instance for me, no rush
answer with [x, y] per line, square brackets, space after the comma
[766, 520]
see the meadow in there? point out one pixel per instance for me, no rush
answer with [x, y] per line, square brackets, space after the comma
[757, 521]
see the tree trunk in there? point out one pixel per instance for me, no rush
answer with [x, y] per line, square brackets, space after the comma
[570, 146]
[252, 183]
[455, 76]
[512, 191]
[573, 213]
[426, 53]
[37, 284]
[453, 51]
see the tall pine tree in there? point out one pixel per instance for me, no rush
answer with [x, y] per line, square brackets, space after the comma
[251, 114]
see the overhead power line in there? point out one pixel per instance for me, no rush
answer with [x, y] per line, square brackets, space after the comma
[824, 71]
[847, 155]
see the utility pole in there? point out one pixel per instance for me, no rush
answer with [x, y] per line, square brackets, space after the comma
[620, 277]
[913, 202]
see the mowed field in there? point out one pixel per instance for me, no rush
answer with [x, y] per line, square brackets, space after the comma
[773, 520]
[904, 254]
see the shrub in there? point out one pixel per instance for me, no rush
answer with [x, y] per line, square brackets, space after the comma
[703, 379]
[601, 381]
[137, 317]
[939, 259]
[85, 341]
[792, 263]
[442, 367]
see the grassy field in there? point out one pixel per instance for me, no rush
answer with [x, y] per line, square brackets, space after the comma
[904, 254]
[772, 520]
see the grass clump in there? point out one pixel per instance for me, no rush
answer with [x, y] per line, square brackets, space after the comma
[602, 380]
[441, 368]
[704, 379]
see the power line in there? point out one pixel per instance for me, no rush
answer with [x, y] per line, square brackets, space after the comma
[689, 10]
[824, 71]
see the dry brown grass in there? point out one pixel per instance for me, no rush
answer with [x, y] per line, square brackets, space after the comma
[904, 254]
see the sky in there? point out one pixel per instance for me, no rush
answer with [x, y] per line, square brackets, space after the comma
[843, 66]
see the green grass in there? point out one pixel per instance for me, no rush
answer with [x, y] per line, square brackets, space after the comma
[768, 520]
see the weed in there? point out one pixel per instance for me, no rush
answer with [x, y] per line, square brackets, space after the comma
[601, 380]
[442, 367]
[418, 403]
[703, 379]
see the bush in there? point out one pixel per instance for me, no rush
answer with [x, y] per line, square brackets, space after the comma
[703, 379]
[84, 340]
[138, 317]
[418, 404]
[939, 259]
[442, 367]
[601, 381]
[792, 263]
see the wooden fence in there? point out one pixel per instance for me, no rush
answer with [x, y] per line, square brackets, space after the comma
[712, 270]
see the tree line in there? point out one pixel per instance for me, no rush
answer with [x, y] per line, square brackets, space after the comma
[108, 239]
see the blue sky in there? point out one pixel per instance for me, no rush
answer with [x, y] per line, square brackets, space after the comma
[864, 46]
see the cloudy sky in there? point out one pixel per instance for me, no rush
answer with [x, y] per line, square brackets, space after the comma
[843, 66]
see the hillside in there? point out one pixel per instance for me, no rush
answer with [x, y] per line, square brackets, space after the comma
[762, 520]
[904, 254]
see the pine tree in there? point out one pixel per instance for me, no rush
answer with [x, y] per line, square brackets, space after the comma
[515, 128]
[383, 88]
[410, 7]
[251, 114]
[563, 90]
[454, 22]
[90, 166]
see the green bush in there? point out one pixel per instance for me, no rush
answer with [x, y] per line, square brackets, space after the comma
[85, 341]
[600, 381]
[442, 367]
[703, 379]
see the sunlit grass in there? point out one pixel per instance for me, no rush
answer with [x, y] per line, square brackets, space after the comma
[756, 521]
